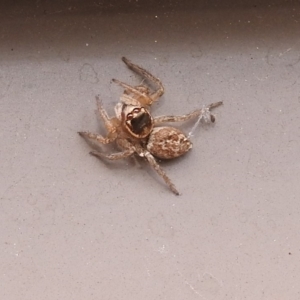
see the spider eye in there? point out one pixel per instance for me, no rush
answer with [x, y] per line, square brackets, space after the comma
[136, 110]
[129, 116]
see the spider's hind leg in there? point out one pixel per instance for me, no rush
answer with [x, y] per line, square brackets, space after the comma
[114, 156]
[151, 160]
[153, 163]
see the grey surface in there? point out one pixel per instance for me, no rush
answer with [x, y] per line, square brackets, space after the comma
[73, 227]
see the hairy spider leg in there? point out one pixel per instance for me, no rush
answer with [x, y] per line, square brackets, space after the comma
[96, 137]
[111, 128]
[197, 113]
[151, 160]
[129, 150]
[159, 92]
[104, 116]
[142, 97]
[114, 156]
[153, 163]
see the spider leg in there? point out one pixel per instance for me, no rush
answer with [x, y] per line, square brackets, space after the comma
[200, 113]
[182, 118]
[214, 105]
[153, 163]
[128, 88]
[110, 127]
[97, 137]
[138, 92]
[159, 92]
[114, 156]
[143, 89]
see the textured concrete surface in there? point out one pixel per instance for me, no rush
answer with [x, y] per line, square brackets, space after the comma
[73, 227]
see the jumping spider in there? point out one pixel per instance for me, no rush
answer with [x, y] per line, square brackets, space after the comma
[135, 131]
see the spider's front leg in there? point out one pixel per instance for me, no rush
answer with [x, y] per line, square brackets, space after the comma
[138, 93]
[203, 113]
[147, 75]
[110, 125]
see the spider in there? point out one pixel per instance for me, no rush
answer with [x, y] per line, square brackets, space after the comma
[136, 131]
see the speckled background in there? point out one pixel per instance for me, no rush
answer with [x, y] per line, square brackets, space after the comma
[73, 227]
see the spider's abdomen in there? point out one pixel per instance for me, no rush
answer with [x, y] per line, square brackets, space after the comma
[168, 143]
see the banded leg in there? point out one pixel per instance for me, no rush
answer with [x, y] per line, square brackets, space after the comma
[200, 113]
[137, 92]
[103, 114]
[151, 160]
[97, 137]
[159, 92]
[108, 125]
[114, 156]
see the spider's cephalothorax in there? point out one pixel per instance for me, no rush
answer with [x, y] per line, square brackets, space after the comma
[137, 121]
[135, 131]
